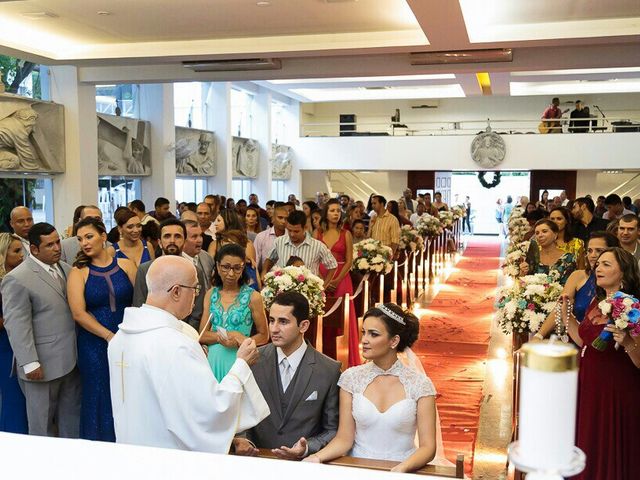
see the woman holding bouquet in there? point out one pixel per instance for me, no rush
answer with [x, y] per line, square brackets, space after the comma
[608, 419]
[338, 240]
[233, 307]
[550, 259]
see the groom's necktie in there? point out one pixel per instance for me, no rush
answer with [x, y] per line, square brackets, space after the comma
[285, 374]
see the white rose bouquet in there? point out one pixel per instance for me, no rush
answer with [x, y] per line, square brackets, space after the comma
[446, 219]
[524, 306]
[297, 279]
[516, 254]
[458, 212]
[410, 239]
[518, 228]
[372, 256]
[429, 226]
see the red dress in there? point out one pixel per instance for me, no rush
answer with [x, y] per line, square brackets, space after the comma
[339, 251]
[608, 422]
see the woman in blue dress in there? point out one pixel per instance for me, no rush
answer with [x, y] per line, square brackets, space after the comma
[234, 307]
[13, 409]
[131, 245]
[99, 288]
[580, 288]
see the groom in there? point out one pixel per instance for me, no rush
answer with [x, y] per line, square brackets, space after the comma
[299, 384]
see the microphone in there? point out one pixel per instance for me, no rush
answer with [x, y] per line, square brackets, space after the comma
[596, 106]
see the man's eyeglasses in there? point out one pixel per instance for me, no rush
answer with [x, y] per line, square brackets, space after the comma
[227, 268]
[197, 288]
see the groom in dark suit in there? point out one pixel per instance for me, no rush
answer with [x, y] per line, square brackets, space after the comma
[299, 384]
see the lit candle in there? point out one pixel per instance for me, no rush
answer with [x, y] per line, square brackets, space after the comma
[395, 276]
[366, 295]
[548, 396]
[394, 298]
[382, 288]
[404, 294]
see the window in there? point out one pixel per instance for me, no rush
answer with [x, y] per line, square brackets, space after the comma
[34, 193]
[241, 188]
[278, 190]
[109, 98]
[187, 101]
[114, 193]
[241, 105]
[190, 189]
[26, 74]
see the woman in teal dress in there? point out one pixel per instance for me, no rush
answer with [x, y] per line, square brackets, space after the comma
[234, 308]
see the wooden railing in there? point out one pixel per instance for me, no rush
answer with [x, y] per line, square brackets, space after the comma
[456, 471]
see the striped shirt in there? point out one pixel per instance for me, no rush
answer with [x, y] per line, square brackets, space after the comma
[312, 252]
[386, 229]
[263, 244]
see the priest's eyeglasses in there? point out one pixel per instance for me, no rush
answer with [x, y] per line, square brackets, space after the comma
[226, 268]
[196, 289]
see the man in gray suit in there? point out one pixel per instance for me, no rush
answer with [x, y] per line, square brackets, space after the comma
[42, 334]
[299, 384]
[71, 246]
[21, 221]
[204, 267]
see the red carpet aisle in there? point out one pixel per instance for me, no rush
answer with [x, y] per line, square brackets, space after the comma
[453, 344]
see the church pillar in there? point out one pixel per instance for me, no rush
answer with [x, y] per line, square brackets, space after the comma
[262, 133]
[218, 119]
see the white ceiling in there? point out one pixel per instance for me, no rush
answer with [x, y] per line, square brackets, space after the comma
[147, 40]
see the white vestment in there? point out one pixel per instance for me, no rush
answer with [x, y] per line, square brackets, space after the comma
[164, 393]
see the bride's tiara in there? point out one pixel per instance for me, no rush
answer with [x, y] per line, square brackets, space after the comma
[391, 314]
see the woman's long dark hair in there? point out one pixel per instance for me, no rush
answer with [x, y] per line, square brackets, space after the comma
[394, 209]
[324, 223]
[82, 259]
[568, 229]
[232, 220]
[630, 272]
[231, 250]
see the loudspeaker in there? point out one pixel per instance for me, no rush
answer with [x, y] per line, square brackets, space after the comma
[345, 130]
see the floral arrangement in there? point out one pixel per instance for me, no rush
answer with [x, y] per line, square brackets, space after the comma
[446, 219]
[458, 211]
[410, 239]
[523, 306]
[297, 279]
[517, 211]
[518, 228]
[516, 254]
[429, 226]
[372, 256]
[623, 311]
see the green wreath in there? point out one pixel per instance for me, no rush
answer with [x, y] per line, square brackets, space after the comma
[494, 183]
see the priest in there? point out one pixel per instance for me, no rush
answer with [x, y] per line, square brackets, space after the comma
[163, 391]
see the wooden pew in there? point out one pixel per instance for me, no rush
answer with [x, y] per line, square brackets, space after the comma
[385, 465]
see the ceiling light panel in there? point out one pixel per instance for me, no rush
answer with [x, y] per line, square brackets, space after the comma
[395, 93]
[576, 71]
[575, 87]
[392, 78]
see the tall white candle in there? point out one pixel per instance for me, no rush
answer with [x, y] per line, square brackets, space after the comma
[548, 395]
[365, 299]
[382, 288]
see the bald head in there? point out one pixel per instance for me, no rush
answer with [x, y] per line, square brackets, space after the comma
[91, 211]
[172, 282]
[189, 215]
[21, 221]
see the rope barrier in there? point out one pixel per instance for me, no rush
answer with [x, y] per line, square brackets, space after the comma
[334, 308]
[360, 286]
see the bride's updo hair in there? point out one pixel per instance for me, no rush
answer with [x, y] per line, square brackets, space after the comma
[398, 322]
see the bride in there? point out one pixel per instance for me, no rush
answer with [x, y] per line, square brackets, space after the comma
[383, 402]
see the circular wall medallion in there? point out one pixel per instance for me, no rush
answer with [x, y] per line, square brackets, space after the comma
[488, 149]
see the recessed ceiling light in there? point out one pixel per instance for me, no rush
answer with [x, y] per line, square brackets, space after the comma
[392, 78]
[104, 13]
[392, 93]
[575, 87]
[39, 15]
[577, 71]
[263, 4]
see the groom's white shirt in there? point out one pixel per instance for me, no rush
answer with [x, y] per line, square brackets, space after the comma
[164, 393]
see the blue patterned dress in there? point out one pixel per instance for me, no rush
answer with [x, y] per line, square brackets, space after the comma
[584, 296]
[107, 292]
[236, 318]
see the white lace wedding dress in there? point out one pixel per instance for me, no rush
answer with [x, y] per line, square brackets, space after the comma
[388, 435]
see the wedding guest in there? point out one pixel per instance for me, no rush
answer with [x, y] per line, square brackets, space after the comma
[21, 221]
[580, 288]
[99, 288]
[316, 215]
[204, 264]
[238, 237]
[340, 243]
[498, 213]
[407, 197]
[609, 379]
[384, 227]
[394, 209]
[203, 212]
[586, 222]
[600, 207]
[68, 232]
[269, 208]
[263, 215]
[295, 262]
[131, 246]
[285, 365]
[302, 245]
[439, 205]
[42, 334]
[615, 207]
[384, 384]
[234, 307]
[308, 207]
[530, 207]
[628, 204]
[150, 233]
[71, 246]
[162, 209]
[230, 204]
[566, 241]
[241, 207]
[264, 240]
[13, 408]
[548, 258]
[345, 203]
[228, 219]
[358, 231]
[252, 222]
[628, 234]
[543, 203]
[138, 207]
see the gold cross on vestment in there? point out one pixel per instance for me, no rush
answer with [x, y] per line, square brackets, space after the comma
[122, 366]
